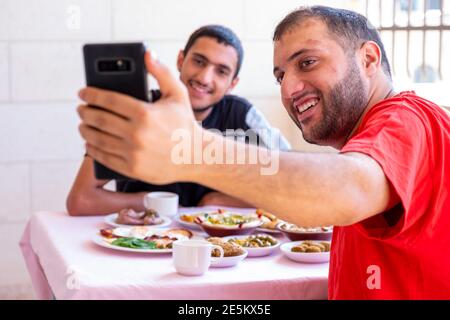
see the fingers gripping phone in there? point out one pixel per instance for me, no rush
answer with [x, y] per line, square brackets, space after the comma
[117, 67]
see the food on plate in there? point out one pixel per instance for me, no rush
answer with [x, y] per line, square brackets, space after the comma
[312, 246]
[229, 249]
[294, 228]
[180, 232]
[131, 217]
[255, 241]
[134, 243]
[270, 221]
[143, 237]
[191, 217]
[227, 219]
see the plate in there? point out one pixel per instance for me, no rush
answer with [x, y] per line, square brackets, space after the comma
[196, 226]
[225, 231]
[190, 225]
[256, 252]
[98, 239]
[229, 261]
[310, 257]
[274, 231]
[305, 235]
[138, 232]
[111, 220]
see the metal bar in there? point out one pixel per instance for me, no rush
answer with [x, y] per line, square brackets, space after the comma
[408, 40]
[441, 7]
[367, 9]
[424, 35]
[394, 28]
[379, 12]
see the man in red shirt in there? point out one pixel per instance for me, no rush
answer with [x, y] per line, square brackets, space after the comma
[386, 191]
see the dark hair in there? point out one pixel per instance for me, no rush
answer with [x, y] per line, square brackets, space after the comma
[350, 28]
[222, 35]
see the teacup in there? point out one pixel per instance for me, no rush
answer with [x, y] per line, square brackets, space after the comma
[165, 203]
[193, 257]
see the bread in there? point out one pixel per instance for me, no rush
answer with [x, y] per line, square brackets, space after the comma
[229, 249]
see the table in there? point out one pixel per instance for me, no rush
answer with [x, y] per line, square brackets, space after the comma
[64, 263]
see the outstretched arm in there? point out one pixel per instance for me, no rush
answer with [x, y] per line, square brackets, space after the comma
[308, 189]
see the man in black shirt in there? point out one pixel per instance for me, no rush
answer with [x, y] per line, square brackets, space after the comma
[209, 66]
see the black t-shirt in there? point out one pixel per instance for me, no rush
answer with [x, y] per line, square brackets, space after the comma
[231, 112]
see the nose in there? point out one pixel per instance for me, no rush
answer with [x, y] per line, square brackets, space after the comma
[291, 85]
[206, 75]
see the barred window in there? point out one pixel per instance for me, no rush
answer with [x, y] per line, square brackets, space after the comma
[416, 35]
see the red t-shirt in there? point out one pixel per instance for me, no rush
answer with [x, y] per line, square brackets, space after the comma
[403, 253]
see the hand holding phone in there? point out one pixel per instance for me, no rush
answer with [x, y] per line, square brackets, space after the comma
[117, 67]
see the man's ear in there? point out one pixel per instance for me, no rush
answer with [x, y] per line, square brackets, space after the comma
[180, 60]
[371, 57]
[233, 84]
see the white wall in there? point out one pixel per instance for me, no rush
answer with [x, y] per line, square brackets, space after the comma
[41, 72]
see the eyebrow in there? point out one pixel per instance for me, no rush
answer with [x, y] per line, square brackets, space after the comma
[201, 56]
[293, 56]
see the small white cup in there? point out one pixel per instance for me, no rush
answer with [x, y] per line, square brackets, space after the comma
[193, 257]
[165, 203]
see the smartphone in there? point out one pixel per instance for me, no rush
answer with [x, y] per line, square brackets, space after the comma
[117, 67]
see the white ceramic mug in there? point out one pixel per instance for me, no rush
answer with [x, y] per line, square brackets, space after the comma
[193, 257]
[165, 203]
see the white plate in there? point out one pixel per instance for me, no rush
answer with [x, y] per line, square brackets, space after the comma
[229, 261]
[310, 257]
[111, 220]
[190, 225]
[256, 252]
[195, 226]
[98, 239]
[274, 231]
[102, 241]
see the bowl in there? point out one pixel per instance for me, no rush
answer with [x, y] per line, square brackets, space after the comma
[303, 257]
[257, 251]
[295, 234]
[225, 231]
[229, 261]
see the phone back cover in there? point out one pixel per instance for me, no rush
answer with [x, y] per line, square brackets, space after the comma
[131, 83]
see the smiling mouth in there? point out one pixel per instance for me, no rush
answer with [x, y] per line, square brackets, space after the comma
[199, 88]
[301, 108]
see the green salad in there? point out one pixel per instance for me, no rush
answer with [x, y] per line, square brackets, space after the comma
[134, 243]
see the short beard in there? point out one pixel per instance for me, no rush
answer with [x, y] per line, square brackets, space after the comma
[342, 109]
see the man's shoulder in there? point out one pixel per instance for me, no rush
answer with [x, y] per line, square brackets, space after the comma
[408, 105]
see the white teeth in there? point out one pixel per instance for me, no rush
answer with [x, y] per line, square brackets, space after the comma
[198, 87]
[305, 106]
